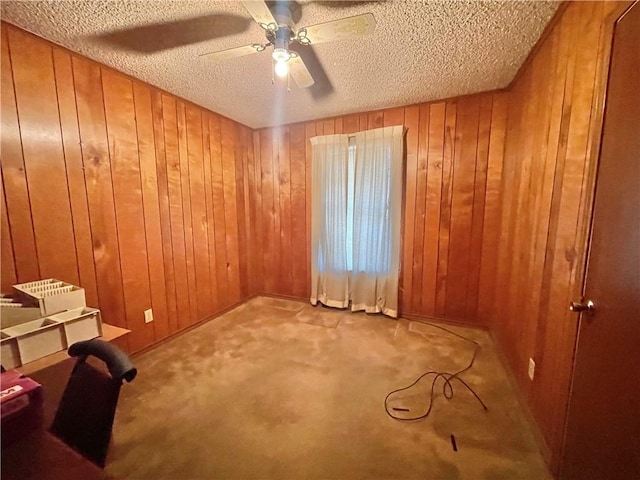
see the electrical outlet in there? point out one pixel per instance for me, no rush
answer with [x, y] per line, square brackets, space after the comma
[532, 368]
[148, 316]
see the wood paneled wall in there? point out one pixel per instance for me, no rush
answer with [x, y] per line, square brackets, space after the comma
[141, 198]
[451, 215]
[114, 185]
[554, 122]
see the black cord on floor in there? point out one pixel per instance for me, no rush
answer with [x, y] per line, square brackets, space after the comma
[447, 386]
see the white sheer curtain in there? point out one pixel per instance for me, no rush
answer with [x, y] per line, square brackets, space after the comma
[329, 169]
[356, 220]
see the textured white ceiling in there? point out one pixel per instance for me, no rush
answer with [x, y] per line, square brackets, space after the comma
[420, 51]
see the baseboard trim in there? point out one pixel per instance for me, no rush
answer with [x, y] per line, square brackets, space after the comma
[179, 333]
[449, 321]
[283, 297]
[537, 433]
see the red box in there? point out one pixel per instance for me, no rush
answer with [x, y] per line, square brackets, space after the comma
[20, 406]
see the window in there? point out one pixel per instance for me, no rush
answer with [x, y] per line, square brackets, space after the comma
[356, 219]
[365, 233]
[368, 216]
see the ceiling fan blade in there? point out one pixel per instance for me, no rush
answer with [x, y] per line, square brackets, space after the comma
[299, 72]
[233, 52]
[164, 36]
[261, 14]
[322, 85]
[357, 26]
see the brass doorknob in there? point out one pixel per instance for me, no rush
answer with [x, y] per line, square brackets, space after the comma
[578, 307]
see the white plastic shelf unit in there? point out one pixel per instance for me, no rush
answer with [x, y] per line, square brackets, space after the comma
[63, 319]
[50, 295]
[35, 339]
[13, 313]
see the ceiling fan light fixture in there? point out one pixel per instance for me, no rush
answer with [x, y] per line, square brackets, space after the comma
[281, 68]
[281, 55]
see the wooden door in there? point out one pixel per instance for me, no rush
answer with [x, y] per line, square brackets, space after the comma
[603, 430]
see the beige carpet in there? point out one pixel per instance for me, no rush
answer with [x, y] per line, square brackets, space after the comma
[282, 390]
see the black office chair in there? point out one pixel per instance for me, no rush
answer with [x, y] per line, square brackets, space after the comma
[84, 418]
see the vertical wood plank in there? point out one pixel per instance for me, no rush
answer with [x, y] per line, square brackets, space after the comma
[208, 192]
[14, 176]
[477, 214]
[151, 208]
[217, 176]
[268, 224]
[351, 123]
[75, 174]
[376, 119]
[462, 206]
[445, 208]
[362, 121]
[390, 117]
[541, 182]
[491, 221]
[328, 126]
[551, 129]
[8, 276]
[417, 289]
[183, 155]
[284, 189]
[242, 224]
[127, 192]
[433, 201]
[276, 140]
[524, 334]
[550, 335]
[298, 249]
[198, 212]
[174, 188]
[164, 211]
[251, 245]
[522, 225]
[230, 209]
[338, 125]
[259, 214]
[37, 103]
[97, 171]
[510, 185]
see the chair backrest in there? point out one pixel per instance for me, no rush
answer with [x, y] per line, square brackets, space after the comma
[84, 418]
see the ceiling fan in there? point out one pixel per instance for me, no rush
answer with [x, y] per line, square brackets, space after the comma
[292, 53]
[281, 32]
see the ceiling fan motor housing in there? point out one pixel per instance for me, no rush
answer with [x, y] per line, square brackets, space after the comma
[285, 13]
[281, 37]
